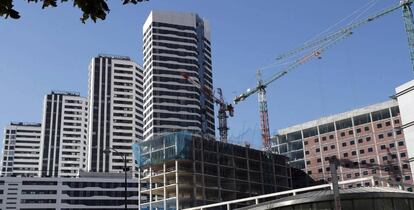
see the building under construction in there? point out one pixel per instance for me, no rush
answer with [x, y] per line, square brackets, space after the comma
[179, 170]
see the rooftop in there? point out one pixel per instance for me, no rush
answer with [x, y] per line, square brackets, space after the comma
[340, 116]
[325, 195]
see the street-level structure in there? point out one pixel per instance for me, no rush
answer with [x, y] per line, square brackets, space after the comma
[88, 191]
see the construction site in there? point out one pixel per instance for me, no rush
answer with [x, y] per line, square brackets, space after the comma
[180, 170]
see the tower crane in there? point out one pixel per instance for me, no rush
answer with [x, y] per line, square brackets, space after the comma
[316, 48]
[224, 107]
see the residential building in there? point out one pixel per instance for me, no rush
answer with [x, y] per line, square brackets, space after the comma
[21, 149]
[368, 142]
[88, 191]
[115, 111]
[64, 134]
[181, 170]
[177, 44]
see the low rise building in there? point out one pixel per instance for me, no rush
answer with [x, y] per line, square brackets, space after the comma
[88, 191]
[369, 141]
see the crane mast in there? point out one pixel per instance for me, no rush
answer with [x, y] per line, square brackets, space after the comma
[264, 115]
[409, 27]
[224, 108]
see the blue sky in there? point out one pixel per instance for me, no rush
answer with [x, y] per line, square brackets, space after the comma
[50, 50]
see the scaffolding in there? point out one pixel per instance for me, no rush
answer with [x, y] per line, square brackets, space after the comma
[179, 170]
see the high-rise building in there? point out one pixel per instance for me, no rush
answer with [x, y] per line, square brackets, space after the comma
[115, 111]
[64, 134]
[21, 149]
[177, 44]
[368, 142]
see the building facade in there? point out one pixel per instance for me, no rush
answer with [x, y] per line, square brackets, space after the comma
[367, 141]
[94, 191]
[115, 111]
[64, 134]
[405, 98]
[177, 44]
[180, 170]
[21, 149]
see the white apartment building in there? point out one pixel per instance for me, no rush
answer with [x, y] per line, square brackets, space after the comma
[177, 43]
[64, 134]
[21, 149]
[115, 111]
[88, 191]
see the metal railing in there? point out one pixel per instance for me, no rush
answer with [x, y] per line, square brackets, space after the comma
[256, 199]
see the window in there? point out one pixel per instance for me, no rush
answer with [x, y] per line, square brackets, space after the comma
[373, 171]
[387, 123]
[352, 142]
[401, 143]
[392, 145]
[308, 162]
[309, 172]
[344, 144]
[307, 152]
[365, 173]
[342, 133]
[397, 121]
[305, 142]
[372, 160]
[332, 146]
[331, 136]
[370, 149]
[383, 147]
[354, 153]
[356, 174]
[320, 170]
[359, 140]
[381, 136]
[407, 177]
[363, 162]
[318, 150]
[405, 166]
[368, 139]
[345, 154]
[384, 158]
[349, 176]
[328, 168]
[361, 151]
[351, 132]
[316, 140]
[366, 128]
[398, 132]
[389, 134]
[402, 154]
[325, 148]
[318, 160]
[379, 125]
[324, 138]
[358, 130]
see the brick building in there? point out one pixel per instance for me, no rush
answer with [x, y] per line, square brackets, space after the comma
[369, 142]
